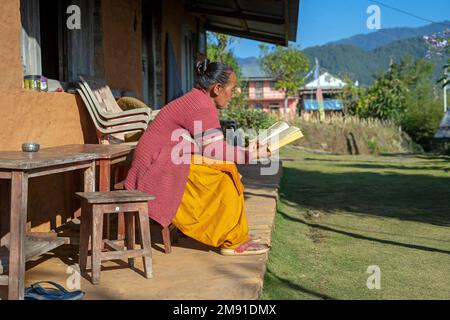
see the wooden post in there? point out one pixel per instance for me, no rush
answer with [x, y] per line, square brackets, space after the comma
[144, 228]
[85, 234]
[18, 222]
[97, 242]
[105, 186]
[130, 234]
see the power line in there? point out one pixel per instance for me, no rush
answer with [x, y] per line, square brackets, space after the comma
[409, 13]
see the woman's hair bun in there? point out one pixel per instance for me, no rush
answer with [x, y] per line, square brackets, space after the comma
[201, 67]
[210, 73]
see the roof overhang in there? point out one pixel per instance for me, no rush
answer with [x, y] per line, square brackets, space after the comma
[272, 21]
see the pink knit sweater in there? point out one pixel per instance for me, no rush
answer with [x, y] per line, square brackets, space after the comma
[153, 171]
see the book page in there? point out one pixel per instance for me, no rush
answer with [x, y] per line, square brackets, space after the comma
[273, 130]
[287, 136]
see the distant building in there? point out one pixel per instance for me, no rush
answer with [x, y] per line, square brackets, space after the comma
[331, 88]
[262, 95]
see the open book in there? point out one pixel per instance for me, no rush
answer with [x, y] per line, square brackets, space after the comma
[278, 135]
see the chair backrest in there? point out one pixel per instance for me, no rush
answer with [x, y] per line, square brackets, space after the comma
[109, 122]
[102, 92]
[89, 108]
[90, 105]
[103, 133]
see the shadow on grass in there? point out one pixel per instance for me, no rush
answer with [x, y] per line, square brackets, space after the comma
[393, 167]
[360, 236]
[291, 285]
[410, 197]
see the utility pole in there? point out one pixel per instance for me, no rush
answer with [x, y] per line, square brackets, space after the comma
[319, 94]
[445, 94]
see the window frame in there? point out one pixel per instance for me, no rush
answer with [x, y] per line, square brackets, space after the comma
[76, 55]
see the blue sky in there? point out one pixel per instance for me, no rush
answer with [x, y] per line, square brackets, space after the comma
[322, 21]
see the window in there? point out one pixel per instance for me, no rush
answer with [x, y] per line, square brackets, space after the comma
[187, 59]
[49, 48]
[272, 85]
[258, 106]
[274, 107]
[259, 92]
[244, 89]
[151, 35]
[51, 39]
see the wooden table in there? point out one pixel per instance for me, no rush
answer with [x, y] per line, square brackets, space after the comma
[19, 167]
[106, 156]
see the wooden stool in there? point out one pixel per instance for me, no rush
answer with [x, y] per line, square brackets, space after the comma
[93, 208]
[167, 233]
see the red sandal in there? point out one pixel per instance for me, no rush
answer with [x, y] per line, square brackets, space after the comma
[249, 248]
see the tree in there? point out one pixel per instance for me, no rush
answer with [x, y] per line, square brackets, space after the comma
[219, 50]
[424, 111]
[288, 65]
[351, 95]
[406, 95]
[439, 45]
[386, 97]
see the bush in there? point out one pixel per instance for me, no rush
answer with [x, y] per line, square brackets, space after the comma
[249, 118]
[422, 121]
[404, 95]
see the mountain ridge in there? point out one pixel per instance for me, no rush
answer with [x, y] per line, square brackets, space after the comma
[382, 37]
[345, 58]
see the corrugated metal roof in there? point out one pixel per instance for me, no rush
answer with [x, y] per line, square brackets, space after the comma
[273, 21]
[254, 71]
[327, 81]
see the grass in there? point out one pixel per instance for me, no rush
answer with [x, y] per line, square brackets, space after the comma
[338, 215]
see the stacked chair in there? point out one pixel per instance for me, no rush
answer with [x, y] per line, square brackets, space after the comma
[111, 122]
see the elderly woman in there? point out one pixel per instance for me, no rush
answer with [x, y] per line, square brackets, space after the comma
[202, 197]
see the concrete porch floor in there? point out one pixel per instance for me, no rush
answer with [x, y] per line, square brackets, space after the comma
[192, 271]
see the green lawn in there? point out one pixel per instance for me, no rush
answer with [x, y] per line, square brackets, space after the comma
[338, 215]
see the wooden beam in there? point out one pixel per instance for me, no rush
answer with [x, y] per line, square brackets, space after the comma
[237, 15]
[245, 34]
[286, 24]
[58, 169]
[243, 21]
[5, 175]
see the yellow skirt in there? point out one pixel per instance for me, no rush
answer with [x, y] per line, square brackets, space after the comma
[212, 209]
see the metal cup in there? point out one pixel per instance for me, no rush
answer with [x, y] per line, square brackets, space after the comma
[30, 147]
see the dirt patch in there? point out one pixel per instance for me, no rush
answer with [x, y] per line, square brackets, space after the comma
[315, 235]
[313, 214]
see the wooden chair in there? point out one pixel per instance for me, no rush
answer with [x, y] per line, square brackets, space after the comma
[94, 206]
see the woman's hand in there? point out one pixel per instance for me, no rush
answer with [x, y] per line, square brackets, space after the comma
[259, 151]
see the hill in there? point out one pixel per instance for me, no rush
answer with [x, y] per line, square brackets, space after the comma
[363, 65]
[380, 38]
[362, 57]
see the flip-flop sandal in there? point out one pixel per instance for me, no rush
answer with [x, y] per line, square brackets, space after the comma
[37, 292]
[254, 238]
[249, 248]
